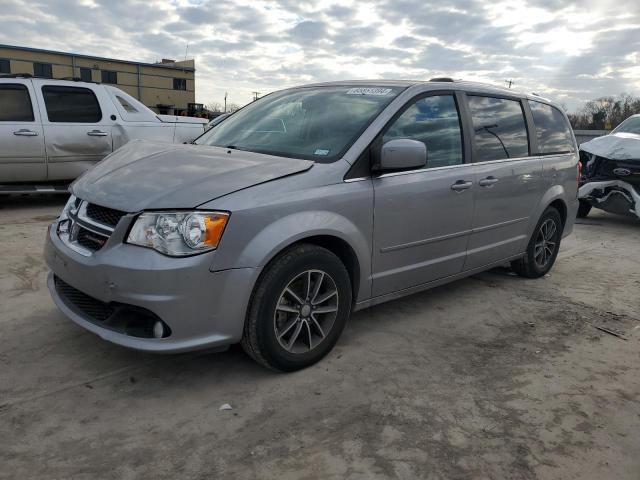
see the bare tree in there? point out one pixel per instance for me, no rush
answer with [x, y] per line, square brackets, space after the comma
[232, 107]
[605, 113]
[214, 106]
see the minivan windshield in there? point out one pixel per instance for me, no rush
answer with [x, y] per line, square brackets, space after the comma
[316, 123]
[630, 125]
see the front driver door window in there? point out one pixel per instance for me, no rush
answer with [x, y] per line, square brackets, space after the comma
[433, 121]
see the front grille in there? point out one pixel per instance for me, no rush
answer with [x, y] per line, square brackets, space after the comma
[104, 215]
[90, 240]
[88, 306]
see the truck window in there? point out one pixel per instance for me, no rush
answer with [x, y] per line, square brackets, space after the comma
[552, 130]
[71, 104]
[16, 103]
[499, 128]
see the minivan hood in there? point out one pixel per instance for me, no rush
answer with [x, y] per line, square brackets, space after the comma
[615, 146]
[145, 175]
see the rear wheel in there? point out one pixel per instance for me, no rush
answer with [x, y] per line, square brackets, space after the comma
[583, 209]
[543, 246]
[298, 309]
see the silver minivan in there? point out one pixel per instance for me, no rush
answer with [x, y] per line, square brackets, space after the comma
[306, 205]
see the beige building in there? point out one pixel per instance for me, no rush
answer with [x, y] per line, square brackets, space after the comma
[165, 87]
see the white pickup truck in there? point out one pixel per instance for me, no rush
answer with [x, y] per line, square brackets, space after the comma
[51, 131]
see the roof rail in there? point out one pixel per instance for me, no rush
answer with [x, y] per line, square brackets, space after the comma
[28, 75]
[441, 79]
[16, 75]
[75, 79]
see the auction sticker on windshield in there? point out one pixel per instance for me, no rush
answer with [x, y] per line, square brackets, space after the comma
[369, 91]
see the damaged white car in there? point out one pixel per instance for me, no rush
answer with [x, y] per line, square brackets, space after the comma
[610, 177]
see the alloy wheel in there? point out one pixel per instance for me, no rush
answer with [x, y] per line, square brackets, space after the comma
[546, 242]
[306, 311]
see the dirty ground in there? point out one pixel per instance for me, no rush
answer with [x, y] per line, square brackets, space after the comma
[490, 377]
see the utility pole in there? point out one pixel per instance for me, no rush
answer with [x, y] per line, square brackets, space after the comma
[255, 95]
[225, 102]
[509, 82]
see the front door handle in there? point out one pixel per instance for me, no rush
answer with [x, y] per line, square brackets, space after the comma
[487, 182]
[97, 133]
[461, 185]
[23, 132]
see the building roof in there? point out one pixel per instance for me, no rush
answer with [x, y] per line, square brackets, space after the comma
[172, 66]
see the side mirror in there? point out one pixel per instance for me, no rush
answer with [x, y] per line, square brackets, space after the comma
[403, 153]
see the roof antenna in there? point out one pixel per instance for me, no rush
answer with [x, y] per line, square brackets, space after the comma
[186, 50]
[509, 82]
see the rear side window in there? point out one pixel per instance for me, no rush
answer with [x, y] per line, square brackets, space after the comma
[71, 104]
[435, 122]
[499, 128]
[552, 130]
[16, 103]
[5, 66]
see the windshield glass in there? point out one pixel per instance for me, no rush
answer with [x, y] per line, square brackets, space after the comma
[317, 123]
[630, 125]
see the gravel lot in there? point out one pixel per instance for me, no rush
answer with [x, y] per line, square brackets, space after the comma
[490, 377]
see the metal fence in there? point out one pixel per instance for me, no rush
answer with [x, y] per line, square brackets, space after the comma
[586, 135]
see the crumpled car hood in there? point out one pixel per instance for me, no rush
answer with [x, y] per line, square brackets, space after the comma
[616, 146]
[145, 175]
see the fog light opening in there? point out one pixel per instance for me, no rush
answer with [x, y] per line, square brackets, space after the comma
[158, 330]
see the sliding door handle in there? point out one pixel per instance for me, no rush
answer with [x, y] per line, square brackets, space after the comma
[487, 182]
[461, 185]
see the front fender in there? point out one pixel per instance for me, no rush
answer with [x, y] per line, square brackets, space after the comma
[275, 237]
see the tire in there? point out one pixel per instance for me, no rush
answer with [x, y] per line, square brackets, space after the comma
[583, 209]
[279, 310]
[535, 263]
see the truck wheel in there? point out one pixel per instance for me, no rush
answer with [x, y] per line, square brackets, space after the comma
[298, 309]
[583, 209]
[543, 246]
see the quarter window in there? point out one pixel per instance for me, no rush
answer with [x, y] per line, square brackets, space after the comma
[5, 66]
[71, 104]
[42, 70]
[435, 122]
[109, 76]
[85, 74]
[179, 83]
[499, 128]
[552, 130]
[16, 103]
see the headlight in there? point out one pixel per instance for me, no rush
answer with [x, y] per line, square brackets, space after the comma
[179, 233]
[71, 207]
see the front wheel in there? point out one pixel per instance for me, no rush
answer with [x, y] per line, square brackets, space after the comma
[543, 246]
[298, 309]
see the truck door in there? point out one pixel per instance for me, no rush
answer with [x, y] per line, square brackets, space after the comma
[77, 130]
[22, 155]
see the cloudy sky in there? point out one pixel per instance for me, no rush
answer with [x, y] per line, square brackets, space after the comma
[570, 51]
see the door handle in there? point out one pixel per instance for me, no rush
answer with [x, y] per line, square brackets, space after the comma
[97, 133]
[487, 182]
[23, 132]
[461, 185]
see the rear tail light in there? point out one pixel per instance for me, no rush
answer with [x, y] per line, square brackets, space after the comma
[579, 170]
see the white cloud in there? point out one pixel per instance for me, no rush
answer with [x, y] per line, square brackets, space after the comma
[572, 50]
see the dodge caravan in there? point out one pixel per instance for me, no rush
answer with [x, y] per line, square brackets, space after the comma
[306, 205]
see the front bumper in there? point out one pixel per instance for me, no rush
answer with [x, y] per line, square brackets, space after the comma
[203, 309]
[615, 196]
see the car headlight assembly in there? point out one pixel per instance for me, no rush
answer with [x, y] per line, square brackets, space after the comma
[179, 234]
